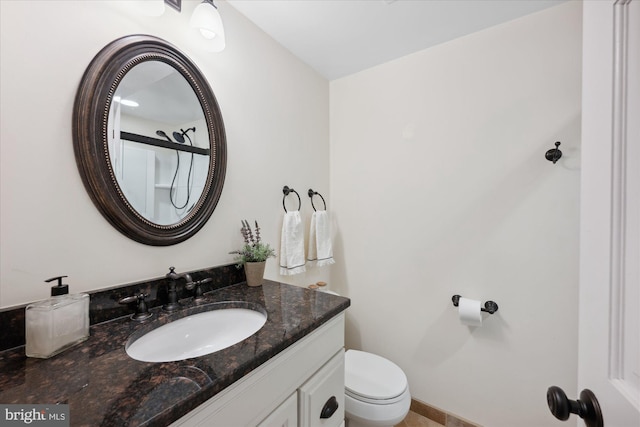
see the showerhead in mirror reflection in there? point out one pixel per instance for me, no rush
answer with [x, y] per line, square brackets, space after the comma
[180, 138]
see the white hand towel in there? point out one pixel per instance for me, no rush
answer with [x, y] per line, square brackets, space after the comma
[292, 245]
[320, 249]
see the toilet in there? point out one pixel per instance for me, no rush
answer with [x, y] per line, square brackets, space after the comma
[376, 391]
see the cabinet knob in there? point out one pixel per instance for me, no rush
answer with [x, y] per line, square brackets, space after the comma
[329, 408]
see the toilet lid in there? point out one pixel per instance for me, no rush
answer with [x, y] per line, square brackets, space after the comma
[372, 376]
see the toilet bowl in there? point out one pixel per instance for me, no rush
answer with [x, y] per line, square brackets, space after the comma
[376, 391]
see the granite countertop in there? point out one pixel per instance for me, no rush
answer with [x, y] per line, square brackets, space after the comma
[105, 387]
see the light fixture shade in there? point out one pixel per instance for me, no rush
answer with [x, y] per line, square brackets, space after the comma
[207, 20]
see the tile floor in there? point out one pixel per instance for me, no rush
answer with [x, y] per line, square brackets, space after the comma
[416, 420]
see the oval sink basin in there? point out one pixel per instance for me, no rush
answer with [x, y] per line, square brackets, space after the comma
[196, 335]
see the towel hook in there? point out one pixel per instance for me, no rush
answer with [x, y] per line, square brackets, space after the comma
[312, 193]
[489, 306]
[554, 154]
[286, 190]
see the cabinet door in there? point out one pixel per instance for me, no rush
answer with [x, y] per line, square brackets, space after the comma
[321, 398]
[285, 415]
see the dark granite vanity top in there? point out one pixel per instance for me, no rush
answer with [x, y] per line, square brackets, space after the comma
[105, 387]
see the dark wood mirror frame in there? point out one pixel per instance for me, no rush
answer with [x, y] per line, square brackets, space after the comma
[90, 143]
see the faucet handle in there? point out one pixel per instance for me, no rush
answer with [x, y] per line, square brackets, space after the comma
[142, 310]
[198, 293]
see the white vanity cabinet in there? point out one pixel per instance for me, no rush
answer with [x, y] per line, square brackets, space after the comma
[321, 398]
[285, 415]
[291, 389]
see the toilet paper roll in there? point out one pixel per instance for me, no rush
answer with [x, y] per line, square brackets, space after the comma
[469, 312]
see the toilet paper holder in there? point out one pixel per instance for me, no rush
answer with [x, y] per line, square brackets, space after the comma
[489, 306]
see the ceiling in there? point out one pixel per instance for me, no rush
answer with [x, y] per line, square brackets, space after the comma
[342, 37]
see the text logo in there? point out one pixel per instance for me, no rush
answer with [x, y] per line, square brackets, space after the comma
[34, 415]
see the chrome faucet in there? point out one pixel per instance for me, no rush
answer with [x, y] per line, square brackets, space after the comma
[172, 300]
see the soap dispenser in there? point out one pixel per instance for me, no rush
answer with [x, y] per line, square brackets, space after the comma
[57, 323]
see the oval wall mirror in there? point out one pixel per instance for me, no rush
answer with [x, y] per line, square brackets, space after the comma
[149, 140]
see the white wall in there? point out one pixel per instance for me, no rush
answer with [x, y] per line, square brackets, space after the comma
[439, 186]
[276, 112]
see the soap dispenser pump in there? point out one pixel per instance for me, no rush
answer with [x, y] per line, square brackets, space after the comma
[57, 323]
[60, 288]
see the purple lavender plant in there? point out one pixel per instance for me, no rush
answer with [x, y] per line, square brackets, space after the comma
[253, 250]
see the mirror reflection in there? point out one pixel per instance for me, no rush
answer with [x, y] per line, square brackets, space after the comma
[158, 142]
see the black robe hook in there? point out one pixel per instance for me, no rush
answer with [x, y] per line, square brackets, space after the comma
[554, 154]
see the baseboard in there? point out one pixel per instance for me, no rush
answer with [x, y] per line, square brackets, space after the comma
[439, 416]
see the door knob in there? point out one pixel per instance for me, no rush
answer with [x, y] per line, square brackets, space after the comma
[587, 407]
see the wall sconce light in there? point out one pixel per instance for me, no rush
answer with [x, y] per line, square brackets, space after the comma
[206, 19]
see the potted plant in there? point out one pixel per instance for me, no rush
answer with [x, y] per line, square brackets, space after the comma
[253, 255]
